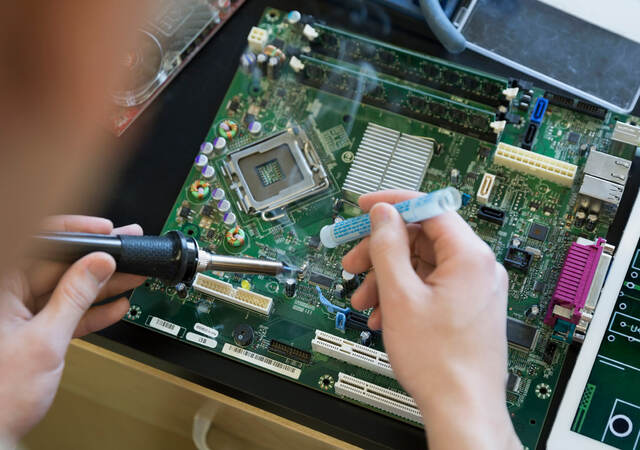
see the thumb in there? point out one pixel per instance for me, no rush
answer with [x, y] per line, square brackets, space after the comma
[390, 253]
[75, 293]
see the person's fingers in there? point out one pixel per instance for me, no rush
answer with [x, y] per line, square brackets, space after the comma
[366, 296]
[367, 201]
[102, 316]
[44, 275]
[450, 237]
[375, 319]
[358, 260]
[75, 293]
[85, 224]
[390, 253]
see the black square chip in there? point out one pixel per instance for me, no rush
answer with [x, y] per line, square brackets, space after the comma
[538, 232]
[573, 137]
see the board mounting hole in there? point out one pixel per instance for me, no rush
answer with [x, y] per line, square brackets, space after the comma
[255, 89]
[346, 118]
[544, 391]
[620, 425]
[326, 381]
[273, 15]
[532, 421]
[190, 232]
[133, 313]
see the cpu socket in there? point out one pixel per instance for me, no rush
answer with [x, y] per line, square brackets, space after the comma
[275, 172]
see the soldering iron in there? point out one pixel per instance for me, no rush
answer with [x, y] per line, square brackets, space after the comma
[172, 257]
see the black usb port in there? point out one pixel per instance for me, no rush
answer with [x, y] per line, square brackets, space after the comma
[491, 215]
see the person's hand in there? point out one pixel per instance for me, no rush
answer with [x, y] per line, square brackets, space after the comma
[41, 308]
[440, 298]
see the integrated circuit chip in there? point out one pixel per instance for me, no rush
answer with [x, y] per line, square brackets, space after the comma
[538, 232]
[321, 279]
[521, 334]
[513, 382]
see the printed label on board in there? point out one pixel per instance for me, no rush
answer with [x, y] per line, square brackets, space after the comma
[262, 361]
[207, 331]
[163, 325]
[193, 337]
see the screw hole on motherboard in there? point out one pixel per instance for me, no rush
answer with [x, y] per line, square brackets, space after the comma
[190, 232]
[532, 421]
[346, 118]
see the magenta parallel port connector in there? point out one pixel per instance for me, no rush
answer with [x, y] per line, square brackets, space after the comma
[574, 282]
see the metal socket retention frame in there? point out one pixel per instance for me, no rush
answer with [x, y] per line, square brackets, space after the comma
[304, 174]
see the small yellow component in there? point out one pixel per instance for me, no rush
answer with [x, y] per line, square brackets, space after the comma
[526, 161]
[245, 285]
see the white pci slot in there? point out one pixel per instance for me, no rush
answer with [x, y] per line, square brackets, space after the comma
[352, 353]
[382, 398]
[225, 291]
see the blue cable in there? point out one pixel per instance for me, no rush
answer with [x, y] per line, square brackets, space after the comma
[442, 27]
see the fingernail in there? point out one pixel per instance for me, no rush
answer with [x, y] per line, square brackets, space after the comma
[379, 214]
[101, 270]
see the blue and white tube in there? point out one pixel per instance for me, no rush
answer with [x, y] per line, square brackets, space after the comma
[415, 210]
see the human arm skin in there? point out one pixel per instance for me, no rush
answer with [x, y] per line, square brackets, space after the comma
[437, 286]
[43, 307]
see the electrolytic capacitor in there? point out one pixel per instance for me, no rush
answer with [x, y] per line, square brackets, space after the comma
[594, 207]
[224, 205]
[181, 290]
[290, 287]
[208, 172]
[592, 219]
[218, 194]
[206, 148]
[349, 281]
[273, 68]
[201, 161]
[584, 204]
[219, 143]
[580, 218]
[229, 219]
[261, 61]
[532, 312]
[365, 338]
[247, 61]
[255, 127]
[455, 176]
[338, 291]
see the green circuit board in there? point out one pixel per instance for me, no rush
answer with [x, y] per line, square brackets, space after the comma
[343, 84]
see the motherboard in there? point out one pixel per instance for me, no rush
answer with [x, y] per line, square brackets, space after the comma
[315, 117]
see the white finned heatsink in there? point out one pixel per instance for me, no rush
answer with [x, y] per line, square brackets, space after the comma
[388, 159]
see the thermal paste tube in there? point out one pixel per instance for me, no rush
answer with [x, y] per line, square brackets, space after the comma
[414, 210]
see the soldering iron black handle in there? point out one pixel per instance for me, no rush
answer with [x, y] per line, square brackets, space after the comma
[172, 257]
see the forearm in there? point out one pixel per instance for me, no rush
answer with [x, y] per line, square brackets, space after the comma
[466, 414]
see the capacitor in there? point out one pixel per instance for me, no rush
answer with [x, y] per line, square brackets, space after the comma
[255, 127]
[218, 194]
[201, 161]
[583, 205]
[206, 148]
[242, 334]
[594, 207]
[181, 290]
[247, 61]
[338, 291]
[208, 171]
[261, 61]
[294, 17]
[532, 312]
[349, 281]
[455, 176]
[525, 98]
[219, 143]
[579, 220]
[592, 219]
[224, 205]
[365, 338]
[290, 287]
[523, 106]
[583, 149]
[516, 242]
[273, 68]
[229, 219]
